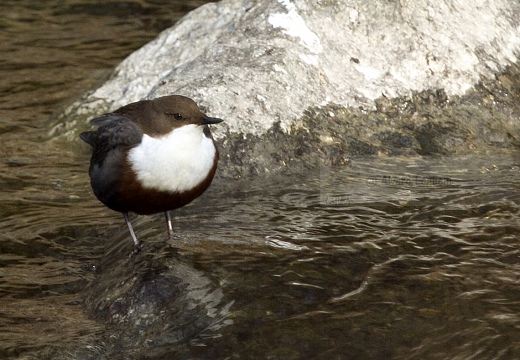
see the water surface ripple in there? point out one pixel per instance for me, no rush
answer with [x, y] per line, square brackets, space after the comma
[386, 260]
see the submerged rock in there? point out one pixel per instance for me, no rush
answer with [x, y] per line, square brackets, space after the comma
[153, 304]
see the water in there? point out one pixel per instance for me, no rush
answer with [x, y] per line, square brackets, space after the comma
[384, 258]
[418, 260]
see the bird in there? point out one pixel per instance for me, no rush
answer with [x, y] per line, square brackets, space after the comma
[152, 156]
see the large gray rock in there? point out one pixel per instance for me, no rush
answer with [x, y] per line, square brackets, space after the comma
[257, 62]
[365, 77]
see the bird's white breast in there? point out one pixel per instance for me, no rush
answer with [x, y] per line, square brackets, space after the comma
[177, 161]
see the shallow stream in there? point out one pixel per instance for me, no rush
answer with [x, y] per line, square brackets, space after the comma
[386, 258]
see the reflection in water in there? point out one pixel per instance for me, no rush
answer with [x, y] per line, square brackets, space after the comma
[386, 258]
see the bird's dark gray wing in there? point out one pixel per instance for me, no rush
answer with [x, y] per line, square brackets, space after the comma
[115, 132]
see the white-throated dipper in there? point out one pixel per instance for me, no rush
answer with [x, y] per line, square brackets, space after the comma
[152, 156]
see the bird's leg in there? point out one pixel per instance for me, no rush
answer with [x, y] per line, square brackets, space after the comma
[132, 234]
[169, 224]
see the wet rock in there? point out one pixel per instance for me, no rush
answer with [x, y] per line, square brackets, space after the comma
[306, 81]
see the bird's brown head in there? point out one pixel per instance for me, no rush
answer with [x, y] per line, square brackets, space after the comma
[166, 113]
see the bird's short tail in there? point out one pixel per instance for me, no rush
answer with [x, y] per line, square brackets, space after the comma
[89, 137]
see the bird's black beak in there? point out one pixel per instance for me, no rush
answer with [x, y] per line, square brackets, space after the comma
[209, 120]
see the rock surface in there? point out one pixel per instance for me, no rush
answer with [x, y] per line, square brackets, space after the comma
[258, 63]
[332, 79]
